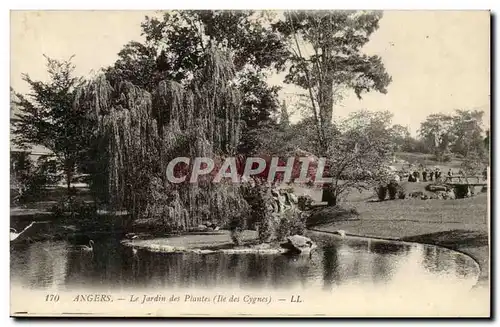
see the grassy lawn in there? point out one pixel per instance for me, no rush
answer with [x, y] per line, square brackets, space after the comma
[460, 225]
[428, 160]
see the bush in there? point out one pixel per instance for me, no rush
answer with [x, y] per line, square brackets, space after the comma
[392, 189]
[236, 226]
[259, 200]
[266, 228]
[382, 192]
[401, 192]
[292, 222]
[28, 180]
[416, 194]
[74, 207]
[236, 236]
[462, 191]
[304, 202]
[261, 204]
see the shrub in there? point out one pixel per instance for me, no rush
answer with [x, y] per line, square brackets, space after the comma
[29, 179]
[266, 228]
[401, 192]
[381, 192]
[261, 204]
[292, 222]
[74, 207]
[73, 211]
[416, 194]
[259, 200]
[304, 202]
[236, 225]
[462, 191]
[392, 189]
[236, 236]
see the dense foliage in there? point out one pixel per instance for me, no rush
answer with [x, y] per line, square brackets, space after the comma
[47, 116]
[335, 40]
[138, 133]
[175, 47]
[461, 133]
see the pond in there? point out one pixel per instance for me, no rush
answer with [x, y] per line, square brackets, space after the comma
[337, 262]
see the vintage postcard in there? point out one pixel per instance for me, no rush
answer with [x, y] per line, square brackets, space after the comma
[250, 163]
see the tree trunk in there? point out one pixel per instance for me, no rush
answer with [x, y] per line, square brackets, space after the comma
[68, 180]
[68, 171]
[326, 102]
[328, 195]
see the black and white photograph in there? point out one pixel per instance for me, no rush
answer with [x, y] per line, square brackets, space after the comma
[250, 163]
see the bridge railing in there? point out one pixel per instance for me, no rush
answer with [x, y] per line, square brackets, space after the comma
[459, 179]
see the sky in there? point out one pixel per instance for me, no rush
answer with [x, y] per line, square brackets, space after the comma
[439, 60]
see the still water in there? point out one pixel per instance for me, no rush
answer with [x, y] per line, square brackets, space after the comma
[336, 262]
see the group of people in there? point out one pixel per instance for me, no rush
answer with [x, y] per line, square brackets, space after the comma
[425, 175]
[428, 175]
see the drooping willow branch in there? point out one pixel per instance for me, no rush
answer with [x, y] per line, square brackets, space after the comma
[134, 134]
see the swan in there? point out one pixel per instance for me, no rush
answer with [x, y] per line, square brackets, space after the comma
[14, 234]
[87, 248]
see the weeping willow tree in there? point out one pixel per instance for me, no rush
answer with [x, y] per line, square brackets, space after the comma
[134, 134]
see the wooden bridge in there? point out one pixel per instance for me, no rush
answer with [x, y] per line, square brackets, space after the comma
[465, 180]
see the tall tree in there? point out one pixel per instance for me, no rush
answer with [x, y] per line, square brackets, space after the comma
[401, 137]
[461, 133]
[468, 131]
[259, 108]
[326, 58]
[176, 46]
[437, 132]
[47, 116]
[137, 133]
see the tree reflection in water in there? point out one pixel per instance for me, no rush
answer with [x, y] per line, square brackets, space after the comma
[336, 261]
[331, 276]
